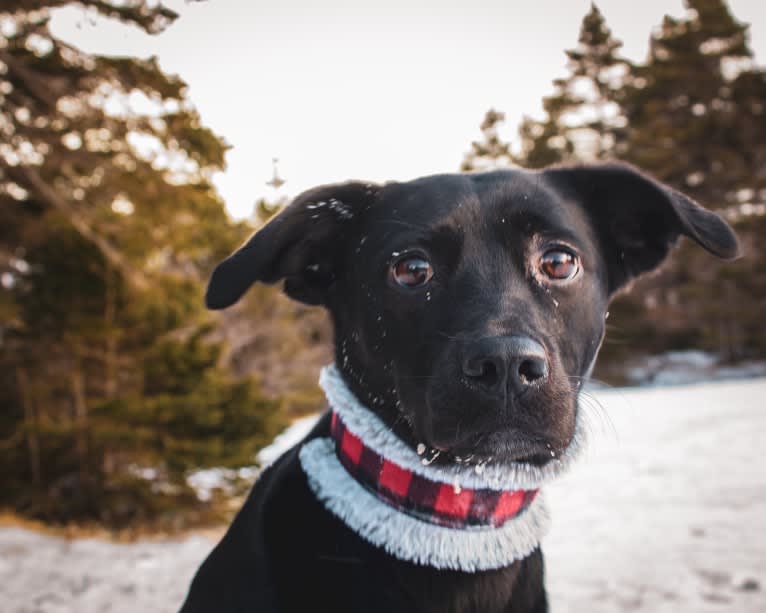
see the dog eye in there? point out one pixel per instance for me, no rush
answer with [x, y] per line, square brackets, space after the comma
[559, 264]
[412, 271]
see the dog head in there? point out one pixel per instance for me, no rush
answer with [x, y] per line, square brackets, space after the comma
[468, 308]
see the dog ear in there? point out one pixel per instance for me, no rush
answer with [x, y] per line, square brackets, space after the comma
[638, 219]
[300, 245]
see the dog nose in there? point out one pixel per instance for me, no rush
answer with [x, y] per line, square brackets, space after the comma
[513, 362]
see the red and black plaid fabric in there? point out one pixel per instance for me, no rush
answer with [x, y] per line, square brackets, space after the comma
[432, 501]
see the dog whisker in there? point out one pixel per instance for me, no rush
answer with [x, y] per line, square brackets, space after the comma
[596, 414]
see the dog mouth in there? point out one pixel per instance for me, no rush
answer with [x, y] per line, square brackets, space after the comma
[504, 446]
[507, 452]
[500, 447]
[458, 442]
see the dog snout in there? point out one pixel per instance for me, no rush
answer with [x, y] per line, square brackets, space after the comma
[512, 363]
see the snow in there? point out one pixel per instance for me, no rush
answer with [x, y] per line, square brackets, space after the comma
[683, 367]
[295, 432]
[667, 512]
[206, 480]
[43, 574]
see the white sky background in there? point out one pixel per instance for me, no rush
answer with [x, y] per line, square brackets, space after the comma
[376, 90]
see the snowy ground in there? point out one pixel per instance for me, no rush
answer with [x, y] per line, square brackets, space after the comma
[42, 574]
[667, 513]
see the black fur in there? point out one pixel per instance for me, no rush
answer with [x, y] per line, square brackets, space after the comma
[486, 358]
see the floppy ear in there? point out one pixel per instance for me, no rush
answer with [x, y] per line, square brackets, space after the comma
[638, 219]
[301, 245]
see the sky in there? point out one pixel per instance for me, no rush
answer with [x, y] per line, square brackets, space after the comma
[367, 89]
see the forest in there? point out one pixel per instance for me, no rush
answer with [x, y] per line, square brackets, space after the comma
[116, 384]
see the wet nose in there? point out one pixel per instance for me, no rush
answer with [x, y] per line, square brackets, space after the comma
[505, 362]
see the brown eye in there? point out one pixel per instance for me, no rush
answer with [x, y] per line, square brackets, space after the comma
[559, 264]
[412, 271]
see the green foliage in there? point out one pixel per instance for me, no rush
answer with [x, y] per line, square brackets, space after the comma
[108, 225]
[189, 414]
[694, 116]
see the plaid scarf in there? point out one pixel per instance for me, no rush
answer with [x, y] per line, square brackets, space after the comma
[444, 516]
[445, 504]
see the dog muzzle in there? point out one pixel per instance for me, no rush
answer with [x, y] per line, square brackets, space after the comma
[458, 516]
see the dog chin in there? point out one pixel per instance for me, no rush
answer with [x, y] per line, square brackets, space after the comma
[496, 448]
[491, 441]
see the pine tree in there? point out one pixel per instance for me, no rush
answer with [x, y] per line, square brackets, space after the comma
[108, 224]
[696, 120]
[492, 151]
[582, 119]
[693, 115]
[681, 109]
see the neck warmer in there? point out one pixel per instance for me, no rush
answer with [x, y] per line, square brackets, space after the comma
[459, 516]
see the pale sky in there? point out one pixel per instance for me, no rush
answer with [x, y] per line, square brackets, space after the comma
[375, 90]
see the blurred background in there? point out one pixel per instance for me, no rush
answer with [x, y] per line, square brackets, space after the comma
[123, 404]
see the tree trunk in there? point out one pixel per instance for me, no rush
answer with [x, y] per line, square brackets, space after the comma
[30, 424]
[110, 356]
[81, 419]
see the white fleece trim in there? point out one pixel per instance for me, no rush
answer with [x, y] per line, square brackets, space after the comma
[411, 539]
[379, 437]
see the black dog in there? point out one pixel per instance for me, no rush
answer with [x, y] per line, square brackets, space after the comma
[467, 310]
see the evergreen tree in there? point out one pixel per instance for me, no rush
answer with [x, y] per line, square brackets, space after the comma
[693, 115]
[542, 141]
[492, 151]
[582, 120]
[696, 120]
[108, 224]
[683, 116]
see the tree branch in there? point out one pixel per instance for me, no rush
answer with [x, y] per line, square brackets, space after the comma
[112, 255]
